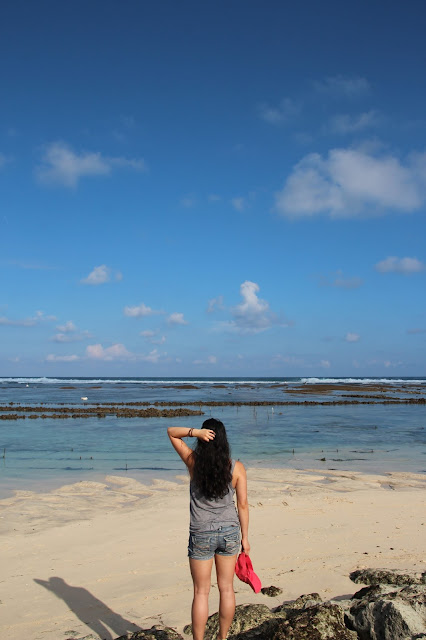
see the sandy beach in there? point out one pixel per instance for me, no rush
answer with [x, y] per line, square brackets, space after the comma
[101, 559]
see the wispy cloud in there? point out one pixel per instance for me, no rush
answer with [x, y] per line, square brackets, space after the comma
[406, 266]
[176, 319]
[68, 332]
[339, 85]
[4, 160]
[152, 337]
[416, 331]
[208, 360]
[33, 321]
[279, 114]
[352, 337]
[238, 203]
[101, 275]
[188, 201]
[60, 165]
[339, 281]
[346, 124]
[351, 182]
[215, 304]
[54, 358]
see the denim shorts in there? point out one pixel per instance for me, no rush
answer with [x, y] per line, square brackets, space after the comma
[225, 541]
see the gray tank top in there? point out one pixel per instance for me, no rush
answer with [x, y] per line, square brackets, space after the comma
[209, 515]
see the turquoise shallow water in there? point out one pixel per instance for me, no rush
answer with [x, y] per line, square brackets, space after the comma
[46, 453]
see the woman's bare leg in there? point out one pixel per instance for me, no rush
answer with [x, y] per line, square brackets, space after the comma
[225, 570]
[201, 572]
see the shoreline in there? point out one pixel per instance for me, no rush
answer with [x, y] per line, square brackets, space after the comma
[115, 551]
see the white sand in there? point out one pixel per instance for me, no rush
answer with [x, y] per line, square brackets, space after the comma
[89, 559]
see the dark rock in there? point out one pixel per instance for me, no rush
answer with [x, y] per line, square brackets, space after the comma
[386, 576]
[306, 618]
[271, 591]
[155, 633]
[319, 622]
[390, 614]
[308, 600]
[247, 617]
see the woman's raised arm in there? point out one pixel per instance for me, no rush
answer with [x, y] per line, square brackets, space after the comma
[177, 433]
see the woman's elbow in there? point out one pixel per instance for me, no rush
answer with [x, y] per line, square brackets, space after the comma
[243, 504]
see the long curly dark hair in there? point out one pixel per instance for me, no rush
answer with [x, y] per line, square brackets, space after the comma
[211, 472]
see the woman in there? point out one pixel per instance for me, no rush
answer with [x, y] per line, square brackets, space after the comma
[215, 525]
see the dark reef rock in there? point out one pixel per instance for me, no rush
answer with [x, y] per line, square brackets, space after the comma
[271, 591]
[385, 576]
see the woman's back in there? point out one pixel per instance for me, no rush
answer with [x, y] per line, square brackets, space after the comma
[209, 513]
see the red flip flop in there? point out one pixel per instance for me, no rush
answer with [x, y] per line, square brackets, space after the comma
[244, 571]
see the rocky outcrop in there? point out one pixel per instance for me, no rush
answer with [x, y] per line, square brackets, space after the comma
[307, 618]
[392, 607]
[384, 576]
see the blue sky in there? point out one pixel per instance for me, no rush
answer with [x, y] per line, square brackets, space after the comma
[227, 188]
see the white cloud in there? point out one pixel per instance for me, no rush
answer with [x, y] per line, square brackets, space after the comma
[326, 364]
[416, 331]
[209, 360]
[101, 275]
[68, 332]
[54, 358]
[280, 114]
[392, 264]
[238, 203]
[352, 337]
[68, 327]
[215, 304]
[345, 123]
[114, 352]
[176, 318]
[352, 182]
[253, 314]
[140, 311]
[120, 353]
[214, 197]
[63, 166]
[349, 86]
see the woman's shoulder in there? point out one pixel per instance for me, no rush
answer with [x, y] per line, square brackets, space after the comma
[239, 469]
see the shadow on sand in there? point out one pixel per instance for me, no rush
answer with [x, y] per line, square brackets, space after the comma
[91, 611]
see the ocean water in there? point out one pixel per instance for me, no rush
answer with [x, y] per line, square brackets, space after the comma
[39, 454]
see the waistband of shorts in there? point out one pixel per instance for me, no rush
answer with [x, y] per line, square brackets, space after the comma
[215, 528]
